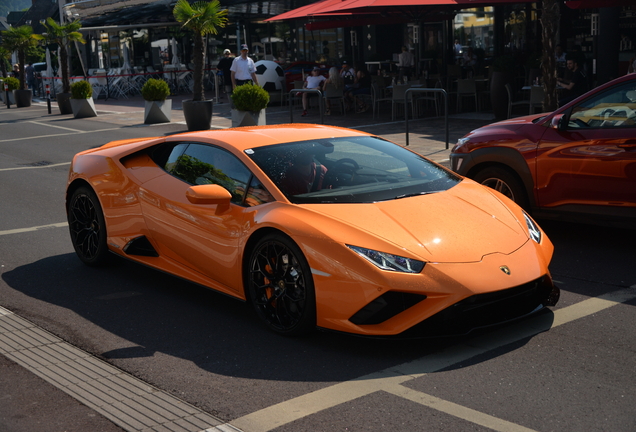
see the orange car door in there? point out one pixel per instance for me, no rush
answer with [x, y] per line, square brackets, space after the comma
[592, 159]
[202, 237]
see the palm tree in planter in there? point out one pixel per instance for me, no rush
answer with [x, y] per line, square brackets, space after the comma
[62, 35]
[201, 18]
[19, 39]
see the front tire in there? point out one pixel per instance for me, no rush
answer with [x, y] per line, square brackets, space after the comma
[87, 227]
[280, 286]
[503, 182]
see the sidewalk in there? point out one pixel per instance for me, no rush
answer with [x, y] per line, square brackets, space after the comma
[426, 137]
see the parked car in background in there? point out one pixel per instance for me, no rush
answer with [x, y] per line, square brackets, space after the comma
[577, 162]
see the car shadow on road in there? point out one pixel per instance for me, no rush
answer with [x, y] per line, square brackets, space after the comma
[158, 313]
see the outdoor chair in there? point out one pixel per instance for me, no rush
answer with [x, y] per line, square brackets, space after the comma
[335, 97]
[466, 88]
[512, 103]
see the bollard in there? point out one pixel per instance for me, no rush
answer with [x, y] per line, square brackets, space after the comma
[6, 95]
[48, 98]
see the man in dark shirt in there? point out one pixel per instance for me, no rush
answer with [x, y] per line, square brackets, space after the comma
[576, 85]
[224, 66]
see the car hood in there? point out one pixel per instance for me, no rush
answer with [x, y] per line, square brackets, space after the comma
[462, 224]
[515, 123]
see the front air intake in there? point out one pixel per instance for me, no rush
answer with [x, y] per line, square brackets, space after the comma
[386, 306]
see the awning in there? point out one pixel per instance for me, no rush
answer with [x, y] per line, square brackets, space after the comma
[305, 11]
[420, 9]
[591, 4]
[399, 6]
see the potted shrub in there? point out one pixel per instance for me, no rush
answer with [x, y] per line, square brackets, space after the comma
[82, 100]
[250, 101]
[62, 35]
[13, 84]
[20, 39]
[201, 18]
[158, 109]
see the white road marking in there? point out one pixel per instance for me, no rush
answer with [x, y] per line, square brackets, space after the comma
[387, 380]
[56, 126]
[35, 167]
[36, 228]
[56, 135]
[456, 410]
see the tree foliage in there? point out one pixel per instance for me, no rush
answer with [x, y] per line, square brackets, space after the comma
[201, 18]
[19, 39]
[550, 17]
[7, 6]
[63, 35]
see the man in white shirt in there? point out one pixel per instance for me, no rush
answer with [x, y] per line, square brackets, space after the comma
[313, 81]
[348, 75]
[405, 63]
[243, 70]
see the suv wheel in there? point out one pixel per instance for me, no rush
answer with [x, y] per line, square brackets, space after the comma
[503, 182]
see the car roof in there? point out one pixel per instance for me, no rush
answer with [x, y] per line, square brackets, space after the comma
[244, 138]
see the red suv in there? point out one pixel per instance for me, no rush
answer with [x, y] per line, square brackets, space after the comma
[578, 160]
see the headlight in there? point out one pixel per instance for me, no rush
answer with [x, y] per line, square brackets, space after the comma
[389, 262]
[460, 143]
[533, 228]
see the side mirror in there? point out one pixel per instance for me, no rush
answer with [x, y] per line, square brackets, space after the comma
[558, 122]
[209, 194]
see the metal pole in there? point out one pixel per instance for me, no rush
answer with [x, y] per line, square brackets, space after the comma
[48, 98]
[293, 92]
[425, 90]
[6, 95]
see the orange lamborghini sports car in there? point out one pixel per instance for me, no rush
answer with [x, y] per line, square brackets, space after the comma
[315, 226]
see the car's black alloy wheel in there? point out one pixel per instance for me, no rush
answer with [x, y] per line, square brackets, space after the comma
[87, 227]
[280, 286]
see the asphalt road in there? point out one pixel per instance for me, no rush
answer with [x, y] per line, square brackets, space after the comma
[571, 369]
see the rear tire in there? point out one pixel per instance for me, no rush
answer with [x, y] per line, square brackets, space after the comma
[503, 182]
[87, 227]
[280, 286]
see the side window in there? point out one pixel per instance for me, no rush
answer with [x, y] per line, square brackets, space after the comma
[614, 108]
[166, 155]
[202, 164]
[257, 194]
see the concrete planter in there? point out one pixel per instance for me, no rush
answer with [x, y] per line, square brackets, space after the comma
[158, 112]
[64, 103]
[23, 98]
[198, 114]
[248, 118]
[11, 97]
[83, 108]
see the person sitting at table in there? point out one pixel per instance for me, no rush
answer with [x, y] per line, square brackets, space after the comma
[334, 80]
[469, 62]
[313, 81]
[348, 75]
[560, 58]
[576, 85]
[361, 86]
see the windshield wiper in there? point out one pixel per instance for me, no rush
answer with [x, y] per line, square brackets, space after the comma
[416, 194]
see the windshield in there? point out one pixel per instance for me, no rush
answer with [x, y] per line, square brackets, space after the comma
[349, 170]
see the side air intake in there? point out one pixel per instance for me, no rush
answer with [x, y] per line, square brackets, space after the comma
[140, 246]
